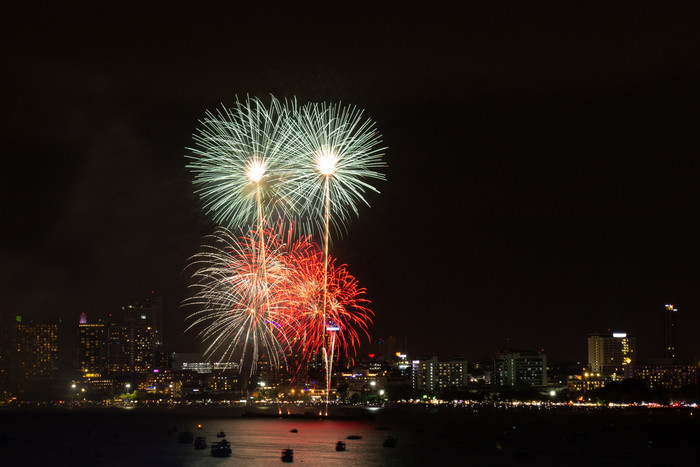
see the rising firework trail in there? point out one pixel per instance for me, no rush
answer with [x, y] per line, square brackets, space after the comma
[239, 164]
[336, 152]
[347, 313]
[310, 166]
[241, 315]
[239, 308]
[333, 153]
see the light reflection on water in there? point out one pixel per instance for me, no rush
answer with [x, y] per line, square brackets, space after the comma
[425, 437]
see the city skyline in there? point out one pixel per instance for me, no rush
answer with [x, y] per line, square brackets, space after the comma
[384, 346]
[540, 181]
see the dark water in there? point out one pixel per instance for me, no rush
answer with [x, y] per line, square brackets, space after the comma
[426, 437]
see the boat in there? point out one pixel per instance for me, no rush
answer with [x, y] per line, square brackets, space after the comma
[294, 430]
[221, 449]
[354, 437]
[390, 442]
[185, 437]
[200, 442]
[340, 446]
[287, 455]
[221, 434]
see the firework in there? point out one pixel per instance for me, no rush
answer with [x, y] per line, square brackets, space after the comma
[239, 308]
[347, 314]
[311, 166]
[245, 315]
[328, 305]
[332, 154]
[335, 155]
[239, 162]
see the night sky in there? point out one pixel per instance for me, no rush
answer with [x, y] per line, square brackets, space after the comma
[542, 178]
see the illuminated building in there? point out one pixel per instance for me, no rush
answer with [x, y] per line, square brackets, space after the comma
[432, 375]
[118, 349]
[519, 368]
[586, 382]
[197, 363]
[130, 346]
[611, 354]
[5, 360]
[33, 354]
[133, 343]
[665, 375]
[150, 314]
[92, 348]
[142, 355]
[670, 314]
[158, 382]
[363, 381]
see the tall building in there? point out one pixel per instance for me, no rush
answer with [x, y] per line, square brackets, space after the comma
[92, 348]
[134, 342]
[433, 375]
[149, 313]
[519, 368]
[670, 314]
[611, 354]
[130, 347]
[34, 354]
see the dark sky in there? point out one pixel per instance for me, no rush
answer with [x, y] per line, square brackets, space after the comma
[542, 179]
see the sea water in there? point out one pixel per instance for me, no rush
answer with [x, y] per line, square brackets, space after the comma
[426, 437]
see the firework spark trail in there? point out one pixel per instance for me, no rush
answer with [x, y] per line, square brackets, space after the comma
[239, 162]
[347, 308]
[335, 151]
[241, 313]
[310, 166]
[238, 166]
[328, 305]
[330, 142]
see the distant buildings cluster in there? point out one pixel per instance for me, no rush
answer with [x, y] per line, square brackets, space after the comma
[126, 353]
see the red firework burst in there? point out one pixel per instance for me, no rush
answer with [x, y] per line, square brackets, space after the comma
[346, 311]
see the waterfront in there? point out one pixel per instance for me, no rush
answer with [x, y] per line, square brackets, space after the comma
[426, 436]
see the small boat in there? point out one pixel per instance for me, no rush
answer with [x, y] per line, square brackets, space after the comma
[294, 430]
[185, 437]
[390, 442]
[221, 434]
[287, 455]
[200, 442]
[340, 446]
[221, 449]
[354, 437]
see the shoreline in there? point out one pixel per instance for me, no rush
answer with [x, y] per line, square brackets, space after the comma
[284, 411]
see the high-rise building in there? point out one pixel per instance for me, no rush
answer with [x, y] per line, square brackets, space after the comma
[611, 354]
[519, 368]
[149, 313]
[34, 354]
[119, 349]
[433, 375]
[670, 314]
[92, 348]
[134, 342]
[130, 347]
